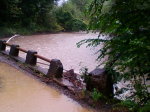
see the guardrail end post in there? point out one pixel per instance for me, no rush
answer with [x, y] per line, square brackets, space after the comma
[55, 69]
[2, 45]
[13, 50]
[30, 58]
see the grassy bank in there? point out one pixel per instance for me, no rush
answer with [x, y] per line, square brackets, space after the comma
[9, 31]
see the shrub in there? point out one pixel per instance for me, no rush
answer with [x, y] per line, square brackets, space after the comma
[96, 95]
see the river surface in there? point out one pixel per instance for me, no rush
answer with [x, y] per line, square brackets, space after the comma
[20, 92]
[61, 46]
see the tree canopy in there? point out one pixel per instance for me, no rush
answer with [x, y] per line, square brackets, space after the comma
[32, 15]
[127, 22]
[25, 16]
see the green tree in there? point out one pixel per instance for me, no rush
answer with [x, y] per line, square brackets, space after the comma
[35, 11]
[9, 10]
[69, 17]
[82, 5]
[17, 16]
[127, 22]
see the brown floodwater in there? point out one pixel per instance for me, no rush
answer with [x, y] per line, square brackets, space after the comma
[20, 92]
[61, 46]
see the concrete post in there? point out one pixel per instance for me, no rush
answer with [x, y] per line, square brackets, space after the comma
[101, 80]
[14, 51]
[30, 58]
[55, 69]
[2, 45]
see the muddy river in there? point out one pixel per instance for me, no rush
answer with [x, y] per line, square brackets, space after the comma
[61, 46]
[20, 92]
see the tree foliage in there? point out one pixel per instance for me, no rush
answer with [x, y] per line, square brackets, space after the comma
[33, 15]
[71, 17]
[127, 22]
[25, 16]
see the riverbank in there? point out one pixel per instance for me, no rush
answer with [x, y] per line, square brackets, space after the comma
[8, 32]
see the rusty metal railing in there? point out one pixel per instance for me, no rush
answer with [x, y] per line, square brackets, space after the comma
[55, 65]
[25, 51]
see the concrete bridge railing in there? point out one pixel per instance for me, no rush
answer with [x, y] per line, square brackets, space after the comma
[55, 67]
[99, 78]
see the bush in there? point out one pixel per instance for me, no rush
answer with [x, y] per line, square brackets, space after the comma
[145, 108]
[96, 95]
[132, 106]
